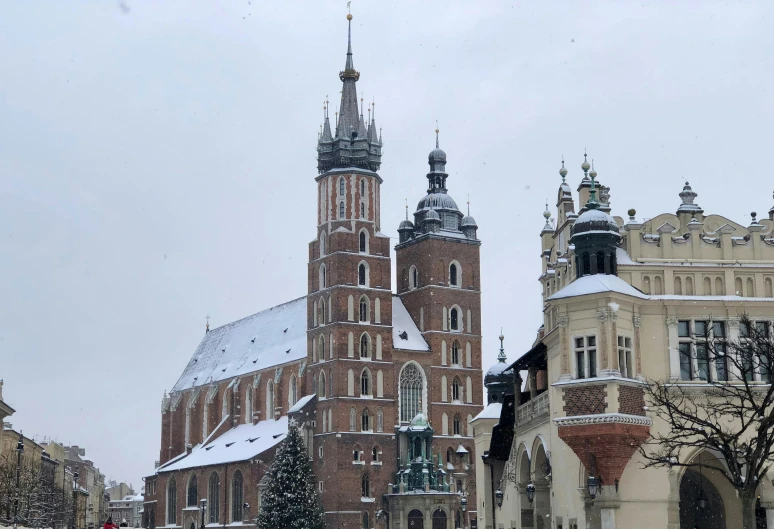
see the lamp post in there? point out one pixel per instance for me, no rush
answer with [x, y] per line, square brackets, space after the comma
[75, 499]
[203, 509]
[593, 487]
[19, 451]
[499, 498]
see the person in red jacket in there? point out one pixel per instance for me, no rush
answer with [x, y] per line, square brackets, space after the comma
[109, 524]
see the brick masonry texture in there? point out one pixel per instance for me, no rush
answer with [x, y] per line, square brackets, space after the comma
[604, 447]
[586, 400]
[631, 400]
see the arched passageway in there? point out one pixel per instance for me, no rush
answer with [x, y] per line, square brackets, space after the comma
[439, 519]
[701, 505]
[416, 520]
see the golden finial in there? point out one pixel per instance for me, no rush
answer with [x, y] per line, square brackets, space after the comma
[349, 15]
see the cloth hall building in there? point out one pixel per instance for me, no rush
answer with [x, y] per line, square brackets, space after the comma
[624, 301]
[382, 375]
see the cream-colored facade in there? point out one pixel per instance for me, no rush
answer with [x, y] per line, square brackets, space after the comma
[633, 315]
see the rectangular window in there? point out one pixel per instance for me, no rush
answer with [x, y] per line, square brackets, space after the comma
[586, 357]
[625, 357]
[702, 362]
[702, 350]
[686, 373]
[721, 364]
[320, 486]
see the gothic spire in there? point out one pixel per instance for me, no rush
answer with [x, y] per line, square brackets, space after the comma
[353, 144]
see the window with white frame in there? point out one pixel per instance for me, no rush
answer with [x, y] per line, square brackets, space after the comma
[455, 356]
[365, 421]
[625, 357]
[413, 277]
[759, 368]
[457, 425]
[454, 319]
[341, 210]
[697, 340]
[586, 356]
[364, 310]
[454, 274]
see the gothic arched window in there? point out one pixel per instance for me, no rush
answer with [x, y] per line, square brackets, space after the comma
[365, 382]
[362, 276]
[321, 386]
[411, 384]
[237, 497]
[362, 210]
[213, 498]
[365, 490]
[364, 316]
[363, 245]
[292, 391]
[453, 275]
[269, 401]
[454, 320]
[362, 188]
[365, 421]
[352, 416]
[457, 425]
[341, 186]
[193, 493]
[413, 277]
[456, 352]
[365, 346]
[456, 389]
[172, 502]
[341, 210]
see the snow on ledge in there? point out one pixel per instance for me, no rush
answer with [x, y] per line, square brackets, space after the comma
[402, 323]
[597, 284]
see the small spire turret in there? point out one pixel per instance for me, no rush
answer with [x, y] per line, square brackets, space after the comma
[563, 171]
[501, 355]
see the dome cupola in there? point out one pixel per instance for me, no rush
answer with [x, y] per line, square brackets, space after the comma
[499, 379]
[595, 235]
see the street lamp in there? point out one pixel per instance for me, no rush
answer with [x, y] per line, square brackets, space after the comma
[19, 451]
[203, 508]
[499, 497]
[75, 499]
[593, 487]
[530, 492]
[464, 502]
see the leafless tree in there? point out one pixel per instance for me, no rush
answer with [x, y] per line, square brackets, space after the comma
[732, 416]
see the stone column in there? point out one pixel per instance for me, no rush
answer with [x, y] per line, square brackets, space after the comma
[563, 322]
[608, 518]
[674, 352]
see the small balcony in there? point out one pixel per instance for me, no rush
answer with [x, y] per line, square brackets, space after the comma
[533, 412]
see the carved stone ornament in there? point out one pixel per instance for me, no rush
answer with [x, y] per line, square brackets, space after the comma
[637, 319]
[733, 323]
[671, 321]
[603, 315]
[563, 320]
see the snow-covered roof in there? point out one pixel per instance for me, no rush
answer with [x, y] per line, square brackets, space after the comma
[405, 334]
[238, 444]
[492, 411]
[300, 404]
[596, 284]
[272, 337]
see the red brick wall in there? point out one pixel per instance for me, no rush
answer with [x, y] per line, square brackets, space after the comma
[584, 400]
[631, 400]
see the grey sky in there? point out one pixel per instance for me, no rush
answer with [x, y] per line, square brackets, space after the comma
[159, 165]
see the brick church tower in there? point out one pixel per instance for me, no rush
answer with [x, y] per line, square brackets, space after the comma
[377, 378]
[350, 315]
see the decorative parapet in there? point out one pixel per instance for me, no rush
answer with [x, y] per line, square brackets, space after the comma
[605, 418]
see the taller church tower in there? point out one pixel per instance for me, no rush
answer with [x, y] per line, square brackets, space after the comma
[349, 316]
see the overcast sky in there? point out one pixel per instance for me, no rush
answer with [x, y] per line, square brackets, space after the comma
[157, 162]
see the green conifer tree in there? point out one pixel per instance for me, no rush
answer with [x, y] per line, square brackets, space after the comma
[291, 501]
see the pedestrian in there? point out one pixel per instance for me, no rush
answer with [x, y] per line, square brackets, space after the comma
[109, 524]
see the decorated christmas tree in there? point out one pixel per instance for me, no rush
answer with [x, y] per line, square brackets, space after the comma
[290, 501]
